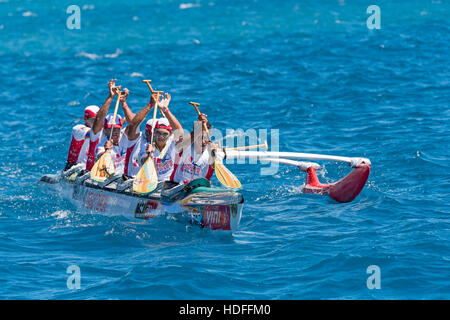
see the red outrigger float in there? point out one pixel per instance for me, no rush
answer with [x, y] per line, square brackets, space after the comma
[344, 190]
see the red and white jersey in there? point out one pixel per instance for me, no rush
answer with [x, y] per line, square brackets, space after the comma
[132, 163]
[190, 165]
[79, 145]
[97, 146]
[164, 159]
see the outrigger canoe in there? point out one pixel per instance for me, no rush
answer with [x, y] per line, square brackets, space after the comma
[196, 203]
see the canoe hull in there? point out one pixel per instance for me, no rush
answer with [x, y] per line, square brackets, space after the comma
[214, 210]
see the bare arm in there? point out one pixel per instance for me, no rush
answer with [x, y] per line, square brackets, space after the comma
[184, 142]
[174, 123]
[138, 118]
[194, 136]
[101, 114]
[129, 115]
[190, 138]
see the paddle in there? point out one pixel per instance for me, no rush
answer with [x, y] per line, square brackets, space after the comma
[104, 167]
[224, 175]
[148, 84]
[151, 90]
[250, 147]
[146, 179]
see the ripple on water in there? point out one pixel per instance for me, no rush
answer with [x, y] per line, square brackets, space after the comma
[314, 72]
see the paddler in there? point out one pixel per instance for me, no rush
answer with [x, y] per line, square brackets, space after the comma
[79, 145]
[196, 158]
[135, 137]
[167, 134]
[101, 131]
[117, 143]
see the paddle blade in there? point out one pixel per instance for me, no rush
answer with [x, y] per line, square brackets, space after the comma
[225, 176]
[147, 179]
[104, 168]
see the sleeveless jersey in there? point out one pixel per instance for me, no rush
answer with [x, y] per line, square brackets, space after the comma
[96, 146]
[190, 166]
[79, 145]
[164, 159]
[132, 163]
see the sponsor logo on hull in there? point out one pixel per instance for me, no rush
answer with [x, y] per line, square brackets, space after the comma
[95, 201]
[146, 209]
[217, 217]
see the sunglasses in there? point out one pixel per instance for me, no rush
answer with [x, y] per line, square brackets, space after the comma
[163, 134]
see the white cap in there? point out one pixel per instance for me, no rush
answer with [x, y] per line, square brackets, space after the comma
[163, 122]
[107, 123]
[150, 122]
[91, 111]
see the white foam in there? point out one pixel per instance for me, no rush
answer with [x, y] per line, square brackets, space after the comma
[91, 56]
[29, 14]
[136, 74]
[60, 214]
[188, 5]
[113, 55]
[109, 232]
[19, 197]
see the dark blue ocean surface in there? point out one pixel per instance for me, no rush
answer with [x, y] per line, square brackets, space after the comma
[311, 69]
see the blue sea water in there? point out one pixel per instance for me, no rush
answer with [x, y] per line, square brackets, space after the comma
[311, 69]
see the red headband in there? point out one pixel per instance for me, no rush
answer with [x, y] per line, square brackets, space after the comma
[160, 126]
[117, 125]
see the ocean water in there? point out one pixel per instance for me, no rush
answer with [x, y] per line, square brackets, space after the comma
[311, 69]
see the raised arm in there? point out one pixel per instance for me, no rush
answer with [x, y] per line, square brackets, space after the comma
[129, 115]
[139, 117]
[101, 114]
[194, 136]
[174, 123]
